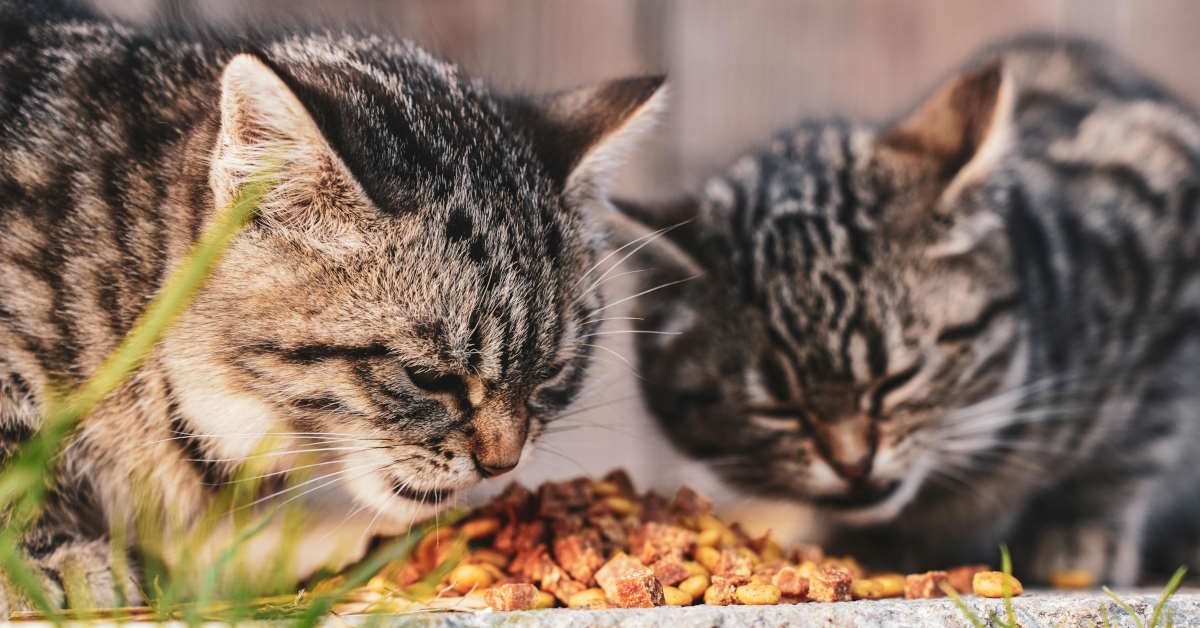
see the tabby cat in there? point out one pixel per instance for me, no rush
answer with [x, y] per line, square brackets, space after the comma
[409, 299]
[978, 323]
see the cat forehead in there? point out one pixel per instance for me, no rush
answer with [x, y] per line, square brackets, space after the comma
[413, 130]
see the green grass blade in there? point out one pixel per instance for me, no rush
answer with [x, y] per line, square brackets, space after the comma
[1168, 591]
[1104, 616]
[1005, 588]
[962, 607]
[1127, 608]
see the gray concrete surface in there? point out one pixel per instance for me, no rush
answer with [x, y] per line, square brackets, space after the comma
[1038, 608]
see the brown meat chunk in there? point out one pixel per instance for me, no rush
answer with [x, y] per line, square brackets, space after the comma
[734, 566]
[621, 479]
[791, 583]
[807, 552]
[669, 570]
[655, 540]
[628, 583]
[580, 554]
[830, 584]
[924, 585]
[510, 597]
[610, 528]
[689, 503]
[529, 535]
[960, 577]
[720, 592]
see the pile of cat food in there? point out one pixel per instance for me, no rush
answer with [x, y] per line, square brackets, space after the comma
[599, 544]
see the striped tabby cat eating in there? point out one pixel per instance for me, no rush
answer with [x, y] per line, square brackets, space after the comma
[978, 323]
[408, 301]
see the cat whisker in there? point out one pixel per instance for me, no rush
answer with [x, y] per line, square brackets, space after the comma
[616, 332]
[545, 448]
[332, 478]
[288, 452]
[648, 238]
[617, 354]
[603, 280]
[637, 295]
[597, 406]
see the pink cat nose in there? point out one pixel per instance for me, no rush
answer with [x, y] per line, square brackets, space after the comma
[855, 471]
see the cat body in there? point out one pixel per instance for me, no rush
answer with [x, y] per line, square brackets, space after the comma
[975, 324]
[403, 314]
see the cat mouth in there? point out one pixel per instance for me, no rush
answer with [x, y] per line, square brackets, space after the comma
[421, 494]
[860, 497]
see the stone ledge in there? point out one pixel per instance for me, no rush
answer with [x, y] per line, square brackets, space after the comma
[1035, 608]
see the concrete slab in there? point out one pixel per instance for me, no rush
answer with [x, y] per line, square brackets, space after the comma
[1034, 609]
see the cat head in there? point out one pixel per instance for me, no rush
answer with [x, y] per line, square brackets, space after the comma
[408, 300]
[852, 292]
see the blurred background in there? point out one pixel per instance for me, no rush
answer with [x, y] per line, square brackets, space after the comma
[739, 70]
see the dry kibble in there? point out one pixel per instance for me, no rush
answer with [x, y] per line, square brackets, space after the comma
[991, 584]
[924, 585]
[756, 593]
[830, 584]
[1072, 579]
[604, 488]
[467, 577]
[807, 569]
[694, 586]
[676, 597]
[620, 505]
[588, 598]
[591, 544]
[892, 583]
[709, 557]
[481, 528]
[709, 537]
[870, 589]
[488, 556]
[543, 600]
[695, 569]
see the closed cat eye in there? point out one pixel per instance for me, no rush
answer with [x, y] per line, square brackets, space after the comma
[433, 381]
[890, 384]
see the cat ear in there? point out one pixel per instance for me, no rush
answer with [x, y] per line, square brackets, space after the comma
[581, 136]
[263, 124]
[950, 127]
[666, 233]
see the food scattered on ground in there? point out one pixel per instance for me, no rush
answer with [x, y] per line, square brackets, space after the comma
[1072, 579]
[591, 544]
[992, 584]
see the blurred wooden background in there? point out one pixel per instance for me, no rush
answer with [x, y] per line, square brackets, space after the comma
[739, 69]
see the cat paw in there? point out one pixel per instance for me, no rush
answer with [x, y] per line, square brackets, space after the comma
[1111, 557]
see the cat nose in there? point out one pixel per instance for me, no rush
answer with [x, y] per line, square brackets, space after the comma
[855, 471]
[498, 440]
[489, 471]
[847, 445]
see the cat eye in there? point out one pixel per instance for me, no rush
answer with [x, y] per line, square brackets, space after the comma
[435, 382]
[890, 384]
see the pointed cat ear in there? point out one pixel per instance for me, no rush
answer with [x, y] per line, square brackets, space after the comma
[262, 123]
[948, 129]
[581, 136]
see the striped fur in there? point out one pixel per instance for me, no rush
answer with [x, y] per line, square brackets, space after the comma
[975, 324]
[409, 301]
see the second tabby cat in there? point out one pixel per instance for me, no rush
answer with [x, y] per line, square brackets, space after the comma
[978, 323]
